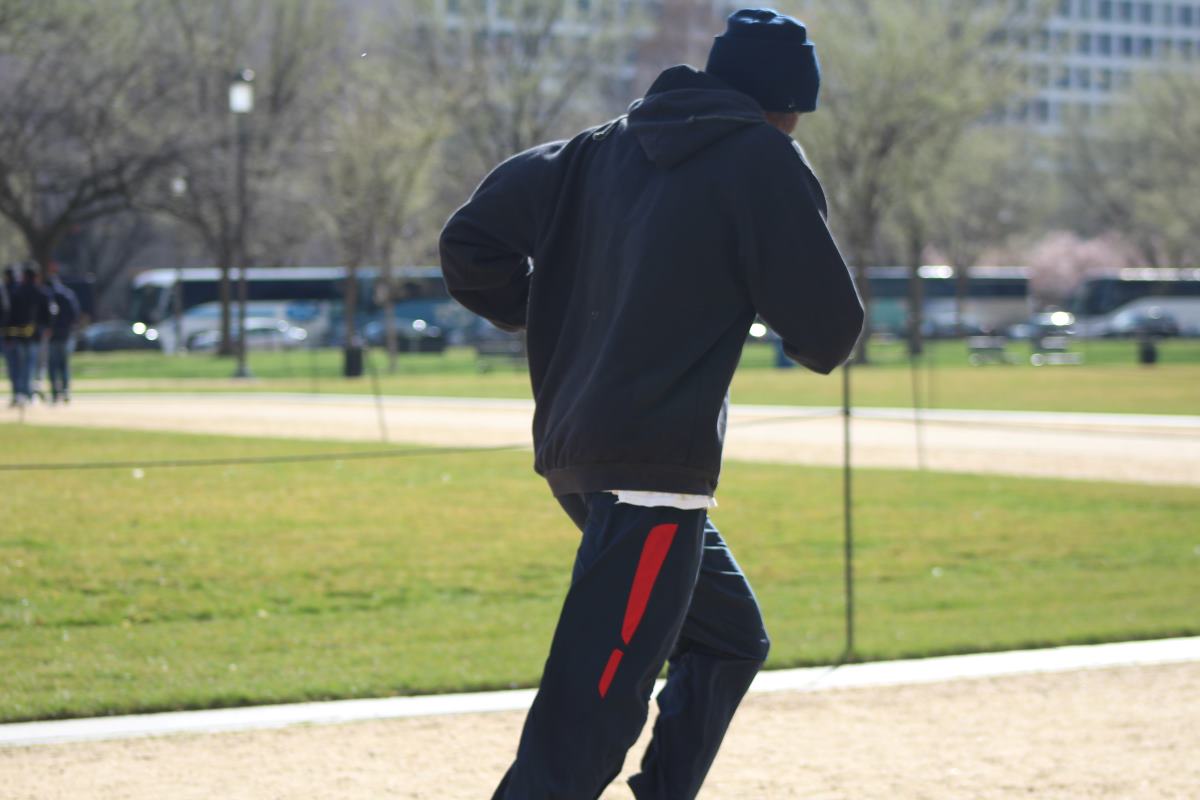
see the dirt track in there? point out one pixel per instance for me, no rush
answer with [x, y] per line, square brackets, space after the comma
[1084, 446]
[1116, 733]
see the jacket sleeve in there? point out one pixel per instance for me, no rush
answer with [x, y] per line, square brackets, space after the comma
[47, 309]
[487, 246]
[798, 282]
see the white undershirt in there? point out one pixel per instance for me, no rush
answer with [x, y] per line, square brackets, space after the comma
[687, 502]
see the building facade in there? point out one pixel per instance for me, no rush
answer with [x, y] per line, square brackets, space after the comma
[1089, 51]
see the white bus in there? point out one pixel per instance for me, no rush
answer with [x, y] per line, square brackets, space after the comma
[178, 304]
[1105, 305]
[995, 298]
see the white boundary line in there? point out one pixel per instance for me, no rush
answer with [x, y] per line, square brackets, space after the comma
[889, 673]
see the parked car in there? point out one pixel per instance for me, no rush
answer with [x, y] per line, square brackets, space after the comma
[1047, 323]
[1152, 321]
[117, 334]
[412, 335]
[262, 333]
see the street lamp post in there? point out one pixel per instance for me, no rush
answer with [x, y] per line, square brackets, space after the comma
[179, 187]
[241, 103]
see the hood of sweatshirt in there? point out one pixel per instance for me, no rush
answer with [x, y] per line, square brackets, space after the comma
[686, 111]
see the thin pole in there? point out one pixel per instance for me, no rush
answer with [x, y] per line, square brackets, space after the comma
[914, 368]
[383, 431]
[847, 513]
[242, 370]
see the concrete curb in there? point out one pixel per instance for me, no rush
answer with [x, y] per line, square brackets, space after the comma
[812, 679]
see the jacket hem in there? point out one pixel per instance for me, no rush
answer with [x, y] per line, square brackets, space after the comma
[633, 477]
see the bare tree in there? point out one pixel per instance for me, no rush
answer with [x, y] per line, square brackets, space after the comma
[103, 250]
[79, 136]
[903, 82]
[382, 139]
[533, 70]
[286, 43]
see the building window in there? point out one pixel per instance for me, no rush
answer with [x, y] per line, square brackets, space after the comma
[1085, 9]
[1085, 43]
[1064, 8]
[1146, 47]
[1083, 77]
[1186, 49]
[1041, 110]
[1126, 45]
[1104, 80]
[1168, 13]
[1064, 78]
[1186, 16]
[1106, 9]
[1104, 44]
[1147, 12]
[1125, 11]
[1041, 75]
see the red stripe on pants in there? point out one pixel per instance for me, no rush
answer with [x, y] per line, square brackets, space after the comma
[654, 553]
[609, 671]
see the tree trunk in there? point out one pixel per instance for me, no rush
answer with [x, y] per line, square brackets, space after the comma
[41, 250]
[350, 302]
[226, 294]
[962, 277]
[916, 295]
[389, 316]
[861, 349]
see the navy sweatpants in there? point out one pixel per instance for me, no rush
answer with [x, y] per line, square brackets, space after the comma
[650, 586]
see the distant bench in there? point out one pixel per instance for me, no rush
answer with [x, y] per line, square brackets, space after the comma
[1053, 351]
[1047, 351]
[987, 350]
[507, 350]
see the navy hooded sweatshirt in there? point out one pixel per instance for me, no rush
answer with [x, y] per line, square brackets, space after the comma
[636, 256]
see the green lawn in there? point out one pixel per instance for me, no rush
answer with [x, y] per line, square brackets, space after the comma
[1108, 381]
[126, 591]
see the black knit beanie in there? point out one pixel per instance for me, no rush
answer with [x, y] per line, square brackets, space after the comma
[767, 55]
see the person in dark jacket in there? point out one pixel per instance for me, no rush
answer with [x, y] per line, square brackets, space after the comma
[29, 313]
[7, 286]
[61, 341]
[636, 256]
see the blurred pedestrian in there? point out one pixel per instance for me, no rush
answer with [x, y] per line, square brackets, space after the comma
[44, 321]
[29, 311]
[635, 256]
[7, 284]
[65, 316]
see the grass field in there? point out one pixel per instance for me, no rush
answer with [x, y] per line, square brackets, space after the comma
[1109, 380]
[125, 590]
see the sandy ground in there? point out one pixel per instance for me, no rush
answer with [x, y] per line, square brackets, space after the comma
[1091, 447]
[1116, 733]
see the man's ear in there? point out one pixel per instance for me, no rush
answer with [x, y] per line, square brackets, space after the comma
[783, 120]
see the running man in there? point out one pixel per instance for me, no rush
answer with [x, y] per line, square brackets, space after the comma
[636, 256]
